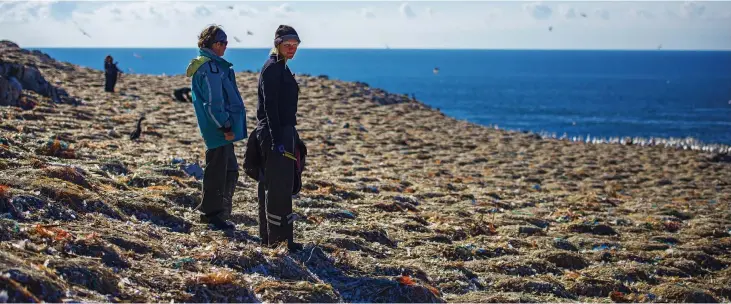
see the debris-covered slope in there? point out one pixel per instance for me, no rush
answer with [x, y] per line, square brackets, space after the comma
[399, 204]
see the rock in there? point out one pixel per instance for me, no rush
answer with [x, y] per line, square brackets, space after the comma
[564, 244]
[29, 78]
[599, 229]
[563, 259]
[10, 90]
[672, 292]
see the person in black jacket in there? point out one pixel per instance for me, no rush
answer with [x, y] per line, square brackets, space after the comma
[110, 74]
[276, 110]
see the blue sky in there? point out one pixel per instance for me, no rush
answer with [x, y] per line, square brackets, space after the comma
[369, 24]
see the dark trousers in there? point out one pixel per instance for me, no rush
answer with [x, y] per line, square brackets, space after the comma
[109, 82]
[276, 222]
[219, 182]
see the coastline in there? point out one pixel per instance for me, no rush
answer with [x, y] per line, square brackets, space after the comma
[709, 128]
[400, 203]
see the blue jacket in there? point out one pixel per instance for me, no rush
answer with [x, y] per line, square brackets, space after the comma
[216, 99]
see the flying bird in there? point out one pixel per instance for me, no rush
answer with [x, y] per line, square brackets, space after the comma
[230, 7]
[583, 15]
[550, 28]
[85, 33]
[136, 133]
[237, 39]
[249, 33]
[82, 30]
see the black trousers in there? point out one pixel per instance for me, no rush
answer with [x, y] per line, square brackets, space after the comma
[219, 182]
[109, 82]
[276, 220]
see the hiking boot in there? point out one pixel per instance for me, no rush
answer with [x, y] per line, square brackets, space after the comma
[219, 224]
[294, 247]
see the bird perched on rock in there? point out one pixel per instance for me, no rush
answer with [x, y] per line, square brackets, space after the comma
[136, 134]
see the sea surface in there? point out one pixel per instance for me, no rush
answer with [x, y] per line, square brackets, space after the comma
[604, 94]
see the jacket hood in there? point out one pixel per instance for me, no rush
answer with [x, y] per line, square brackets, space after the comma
[194, 64]
[204, 56]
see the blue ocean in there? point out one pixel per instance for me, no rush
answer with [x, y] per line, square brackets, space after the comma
[646, 94]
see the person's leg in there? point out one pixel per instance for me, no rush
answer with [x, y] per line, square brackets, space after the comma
[263, 232]
[108, 84]
[232, 177]
[113, 83]
[279, 177]
[264, 144]
[214, 182]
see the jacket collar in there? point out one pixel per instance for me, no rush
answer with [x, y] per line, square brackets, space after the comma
[205, 52]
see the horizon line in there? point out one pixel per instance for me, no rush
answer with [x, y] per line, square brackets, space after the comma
[393, 48]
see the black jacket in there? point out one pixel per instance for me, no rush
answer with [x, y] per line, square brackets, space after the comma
[111, 69]
[278, 93]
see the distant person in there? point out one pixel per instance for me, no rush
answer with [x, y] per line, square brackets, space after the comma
[182, 94]
[221, 116]
[276, 114]
[111, 71]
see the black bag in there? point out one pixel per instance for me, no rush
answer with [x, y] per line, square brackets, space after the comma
[252, 158]
[254, 165]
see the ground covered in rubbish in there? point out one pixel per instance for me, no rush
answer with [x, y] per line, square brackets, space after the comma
[399, 204]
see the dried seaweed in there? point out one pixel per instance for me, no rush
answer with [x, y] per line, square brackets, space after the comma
[402, 205]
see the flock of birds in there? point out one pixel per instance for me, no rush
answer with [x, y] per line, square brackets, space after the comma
[230, 7]
[677, 143]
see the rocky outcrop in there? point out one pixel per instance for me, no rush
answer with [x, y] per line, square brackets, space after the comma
[16, 77]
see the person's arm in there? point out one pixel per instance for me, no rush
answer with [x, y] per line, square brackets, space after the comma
[212, 96]
[271, 82]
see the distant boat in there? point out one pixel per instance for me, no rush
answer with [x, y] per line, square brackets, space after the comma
[659, 47]
[137, 55]
[435, 71]
[387, 47]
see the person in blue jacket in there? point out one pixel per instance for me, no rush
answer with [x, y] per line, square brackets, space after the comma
[221, 117]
